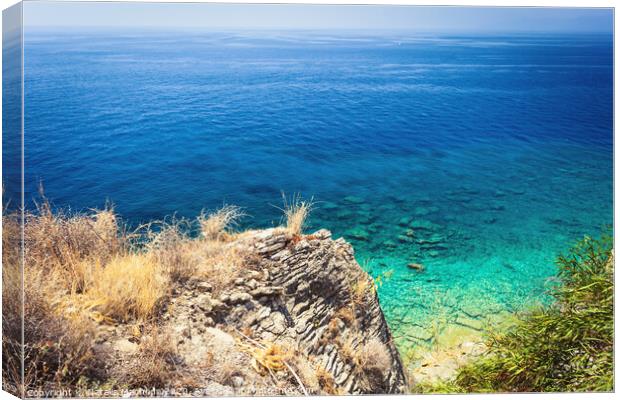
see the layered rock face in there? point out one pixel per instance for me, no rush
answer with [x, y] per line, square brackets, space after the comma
[306, 294]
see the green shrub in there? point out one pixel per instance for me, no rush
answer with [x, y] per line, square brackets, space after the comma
[567, 346]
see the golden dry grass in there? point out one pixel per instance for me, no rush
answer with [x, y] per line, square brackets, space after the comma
[220, 264]
[296, 211]
[56, 242]
[347, 315]
[268, 358]
[217, 224]
[85, 269]
[326, 381]
[128, 287]
[360, 288]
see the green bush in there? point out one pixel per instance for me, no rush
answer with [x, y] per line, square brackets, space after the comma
[567, 346]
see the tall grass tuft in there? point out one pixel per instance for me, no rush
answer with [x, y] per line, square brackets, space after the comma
[567, 346]
[296, 211]
[216, 225]
[170, 246]
[61, 243]
[128, 287]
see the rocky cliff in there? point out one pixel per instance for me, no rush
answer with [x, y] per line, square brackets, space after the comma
[302, 318]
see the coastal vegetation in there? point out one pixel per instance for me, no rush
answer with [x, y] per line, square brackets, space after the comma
[91, 284]
[564, 347]
[84, 269]
[296, 211]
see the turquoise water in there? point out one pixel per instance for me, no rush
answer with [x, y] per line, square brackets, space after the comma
[488, 240]
[480, 157]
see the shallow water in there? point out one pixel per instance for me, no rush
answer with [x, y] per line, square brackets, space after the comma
[492, 153]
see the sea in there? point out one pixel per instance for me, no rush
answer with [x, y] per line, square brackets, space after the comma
[479, 157]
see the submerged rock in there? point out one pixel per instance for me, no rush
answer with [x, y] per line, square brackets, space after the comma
[359, 234]
[416, 266]
[354, 199]
[471, 323]
[344, 214]
[468, 189]
[443, 363]
[404, 239]
[374, 227]
[327, 205]
[365, 217]
[470, 311]
[434, 238]
[423, 225]
[422, 211]
[405, 221]
[418, 333]
[390, 244]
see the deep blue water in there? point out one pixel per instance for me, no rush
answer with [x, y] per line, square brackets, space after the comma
[495, 150]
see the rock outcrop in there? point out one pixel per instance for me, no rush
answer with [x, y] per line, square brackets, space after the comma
[301, 296]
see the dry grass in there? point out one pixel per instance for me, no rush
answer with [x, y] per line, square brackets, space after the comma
[361, 288]
[364, 355]
[347, 315]
[226, 370]
[98, 269]
[216, 225]
[59, 243]
[369, 359]
[326, 381]
[58, 345]
[296, 212]
[268, 358]
[218, 263]
[57, 348]
[170, 247]
[349, 350]
[375, 354]
[11, 306]
[333, 328]
[374, 360]
[210, 257]
[275, 358]
[84, 269]
[306, 370]
[156, 364]
[128, 287]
